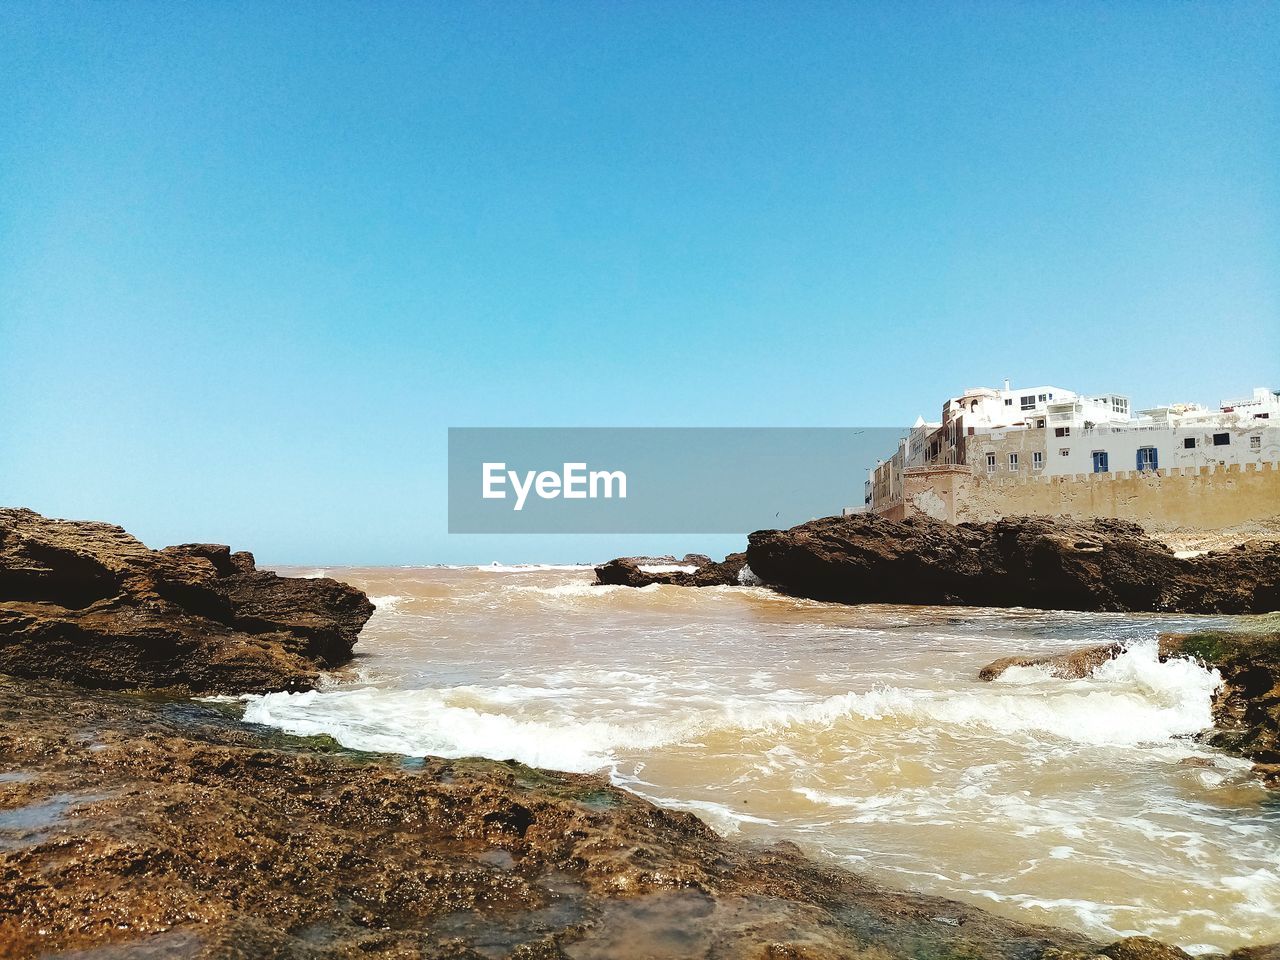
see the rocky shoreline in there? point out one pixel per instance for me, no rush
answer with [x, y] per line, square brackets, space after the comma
[137, 822]
[167, 825]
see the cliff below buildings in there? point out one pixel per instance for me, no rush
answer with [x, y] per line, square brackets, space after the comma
[1051, 563]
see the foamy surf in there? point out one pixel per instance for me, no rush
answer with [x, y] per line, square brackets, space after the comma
[497, 567]
[1135, 700]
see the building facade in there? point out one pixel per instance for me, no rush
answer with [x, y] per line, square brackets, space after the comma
[990, 437]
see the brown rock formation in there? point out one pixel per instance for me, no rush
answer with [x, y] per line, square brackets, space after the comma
[1246, 709]
[88, 603]
[626, 572]
[1052, 563]
[1073, 664]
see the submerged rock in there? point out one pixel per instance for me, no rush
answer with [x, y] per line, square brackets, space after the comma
[1073, 664]
[1052, 563]
[90, 604]
[141, 824]
[630, 572]
[1246, 708]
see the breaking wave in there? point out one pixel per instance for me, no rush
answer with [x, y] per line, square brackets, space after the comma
[1132, 701]
[497, 567]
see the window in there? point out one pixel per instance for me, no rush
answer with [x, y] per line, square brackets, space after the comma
[1189, 443]
[1119, 405]
[1040, 424]
[1064, 452]
[1100, 461]
[970, 433]
[1037, 460]
[1148, 459]
[1255, 442]
[1262, 416]
[991, 463]
[1008, 401]
[1028, 403]
[1062, 431]
[1043, 397]
[1013, 461]
[1221, 439]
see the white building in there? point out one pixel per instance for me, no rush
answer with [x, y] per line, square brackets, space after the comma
[1050, 431]
[1178, 435]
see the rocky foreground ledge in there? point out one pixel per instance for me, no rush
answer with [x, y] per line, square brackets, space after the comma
[90, 604]
[1051, 563]
[149, 827]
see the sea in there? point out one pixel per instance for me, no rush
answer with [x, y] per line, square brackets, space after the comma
[861, 733]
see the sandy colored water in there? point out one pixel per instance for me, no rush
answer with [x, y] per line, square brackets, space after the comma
[860, 733]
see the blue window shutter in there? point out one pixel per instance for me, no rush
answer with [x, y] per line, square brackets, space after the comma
[1155, 459]
[1140, 458]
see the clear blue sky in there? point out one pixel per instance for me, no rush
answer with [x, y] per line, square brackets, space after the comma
[256, 258]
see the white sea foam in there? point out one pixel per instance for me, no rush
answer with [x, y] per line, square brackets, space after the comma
[426, 722]
[1130, 700]
[579, 588]
[386, 604]
[667, 568]
[1134, 700]
[497, 567]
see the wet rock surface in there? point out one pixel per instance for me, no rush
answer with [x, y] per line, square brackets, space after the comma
[133, 823]
[1073, 664]
[1051, 563]
[89, 603]
[1246, 709]
[629, 572]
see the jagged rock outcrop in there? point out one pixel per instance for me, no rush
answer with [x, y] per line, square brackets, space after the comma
[628, 572]
[145, 827]
[90, 604]
[1246, 708]
[1052, 563]
[1078, 663]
